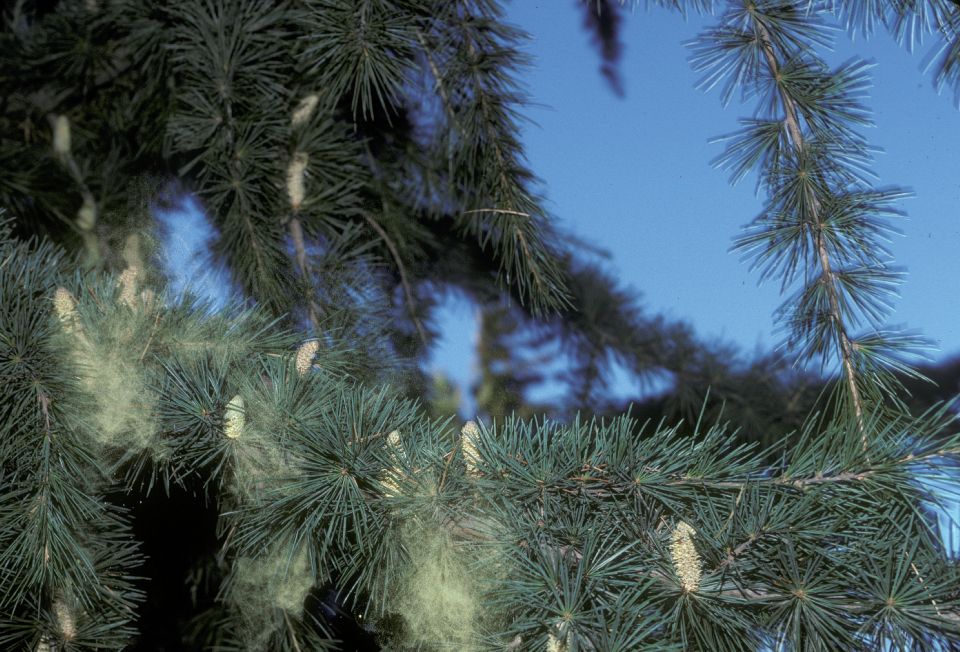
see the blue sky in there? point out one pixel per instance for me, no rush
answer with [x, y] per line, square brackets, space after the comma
[632, 175]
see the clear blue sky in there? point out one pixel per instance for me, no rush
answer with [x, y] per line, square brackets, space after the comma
[633, 176]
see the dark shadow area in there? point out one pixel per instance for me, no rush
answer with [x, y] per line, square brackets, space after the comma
[178, 537]
[175, 531]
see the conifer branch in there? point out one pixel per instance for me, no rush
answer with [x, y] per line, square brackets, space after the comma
[482, 124]
[827, 277]
[502, 170]
[822, 220]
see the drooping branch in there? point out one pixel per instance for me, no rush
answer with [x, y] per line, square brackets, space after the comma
[827, 275]
[485, 169]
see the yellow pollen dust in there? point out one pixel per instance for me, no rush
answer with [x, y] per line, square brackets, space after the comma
[393, 439]
[556, 644]
[395, 448]
[87, 215]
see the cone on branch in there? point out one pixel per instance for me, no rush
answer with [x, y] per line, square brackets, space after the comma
[234, 418]
[305, 355]
[469, 435]
[686, 560]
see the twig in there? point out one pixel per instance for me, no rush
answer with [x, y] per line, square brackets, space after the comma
[44, 401]
[936, 607]
[502, 211]
[403, 275]
[736, 552]
[226, 543]
[95, 297]
[734, 508]
[150, 339]
[446, 465]
[296, 232]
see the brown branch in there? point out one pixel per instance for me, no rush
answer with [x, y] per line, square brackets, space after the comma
[95, 298]
[222, 554]
[296, 232]
[446, 466]
[609, 487]
[733, 511]
[827, 276]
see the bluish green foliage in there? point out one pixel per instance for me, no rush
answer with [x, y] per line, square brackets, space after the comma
[823, 229]
[353, 156]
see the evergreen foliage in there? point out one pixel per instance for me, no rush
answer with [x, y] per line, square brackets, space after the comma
[354, 157]
[823, 226]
